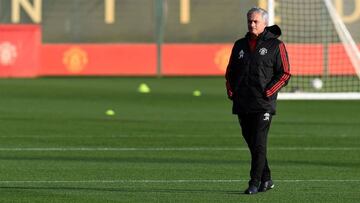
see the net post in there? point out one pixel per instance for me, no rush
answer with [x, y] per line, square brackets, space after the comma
[159, 33]
[271, 11]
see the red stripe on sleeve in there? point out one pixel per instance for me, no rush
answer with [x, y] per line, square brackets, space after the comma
[285, 64]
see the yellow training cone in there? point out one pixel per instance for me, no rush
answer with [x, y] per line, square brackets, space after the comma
[144, 88]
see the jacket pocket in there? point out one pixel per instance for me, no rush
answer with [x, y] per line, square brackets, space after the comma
[257, 86]
[266, 69]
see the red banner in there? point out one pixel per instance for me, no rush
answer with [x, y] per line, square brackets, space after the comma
[195, 59]
[306, 59]
[98, 59]
[20, 47]
[23, 55]
[339, 62]
[212, 59]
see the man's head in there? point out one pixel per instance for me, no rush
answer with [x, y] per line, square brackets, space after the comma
[257, 19]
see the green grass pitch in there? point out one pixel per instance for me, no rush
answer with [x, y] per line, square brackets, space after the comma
[58, 145]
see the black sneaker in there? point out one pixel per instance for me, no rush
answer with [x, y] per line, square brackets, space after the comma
[252, 189]
[267, 185]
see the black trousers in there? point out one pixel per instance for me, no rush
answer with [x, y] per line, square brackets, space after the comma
[255, 128]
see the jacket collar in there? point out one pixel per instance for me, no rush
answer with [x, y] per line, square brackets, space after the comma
[270, 32]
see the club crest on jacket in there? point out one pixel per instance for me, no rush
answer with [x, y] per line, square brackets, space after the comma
[263, 51]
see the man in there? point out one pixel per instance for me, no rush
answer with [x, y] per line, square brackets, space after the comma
[258, 68]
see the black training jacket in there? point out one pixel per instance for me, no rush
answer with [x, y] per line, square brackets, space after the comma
[256, 77]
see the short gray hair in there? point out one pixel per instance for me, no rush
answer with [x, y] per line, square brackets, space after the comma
[264, 13]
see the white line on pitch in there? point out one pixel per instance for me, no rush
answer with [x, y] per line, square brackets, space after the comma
[163, 181]
[176, 149]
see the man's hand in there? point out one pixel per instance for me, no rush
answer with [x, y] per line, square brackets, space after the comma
[229, 90]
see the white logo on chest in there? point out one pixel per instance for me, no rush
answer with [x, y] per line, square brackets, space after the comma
[241, 54]
[263, 51]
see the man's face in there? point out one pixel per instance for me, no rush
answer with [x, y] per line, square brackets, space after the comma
[256, 23]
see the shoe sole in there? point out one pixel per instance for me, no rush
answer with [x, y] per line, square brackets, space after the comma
[250, 193]
[271, 187]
